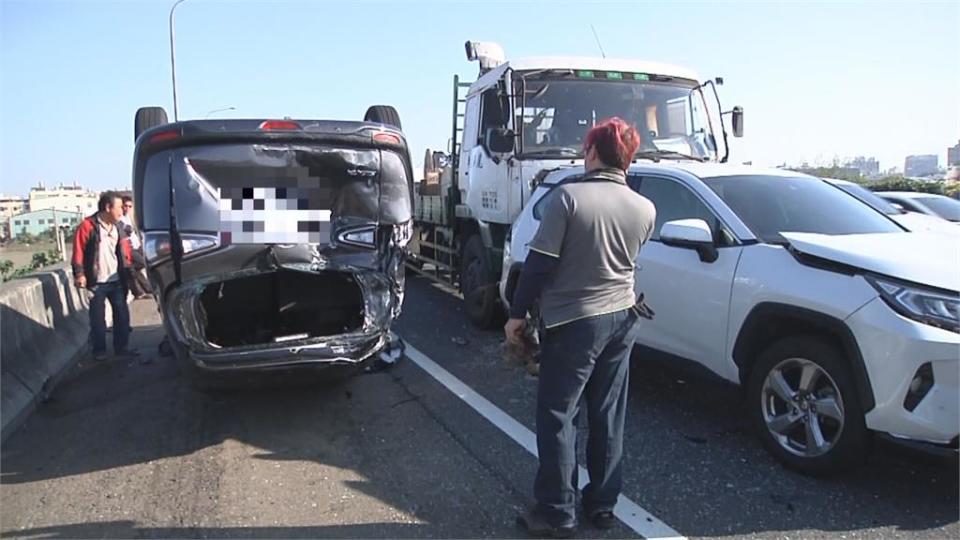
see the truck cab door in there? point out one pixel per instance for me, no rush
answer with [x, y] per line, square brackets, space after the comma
[488, 168]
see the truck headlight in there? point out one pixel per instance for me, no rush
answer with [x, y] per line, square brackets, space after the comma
[156, 245]
[935, 307]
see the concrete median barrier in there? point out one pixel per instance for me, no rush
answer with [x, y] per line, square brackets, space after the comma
[43, 332]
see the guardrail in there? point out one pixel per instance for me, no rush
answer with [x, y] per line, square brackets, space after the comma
[43, 332]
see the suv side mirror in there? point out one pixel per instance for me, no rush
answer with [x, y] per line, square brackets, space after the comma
[691, 234]
[499, 140]
[737, 120]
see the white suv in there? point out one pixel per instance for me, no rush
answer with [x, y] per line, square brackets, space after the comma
[836, 321]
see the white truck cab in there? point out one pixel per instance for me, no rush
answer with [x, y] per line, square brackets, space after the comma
[528, 115]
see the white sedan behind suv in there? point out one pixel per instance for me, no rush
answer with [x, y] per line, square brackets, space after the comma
[912, 221]
[837, 322]
[928, 204]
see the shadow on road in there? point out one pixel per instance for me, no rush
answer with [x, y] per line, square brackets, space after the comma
[130, 529]
[691, 460]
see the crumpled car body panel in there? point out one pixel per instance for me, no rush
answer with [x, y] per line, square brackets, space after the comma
[324, 216]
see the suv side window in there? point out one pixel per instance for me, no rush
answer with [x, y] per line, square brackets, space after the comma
[674, 201]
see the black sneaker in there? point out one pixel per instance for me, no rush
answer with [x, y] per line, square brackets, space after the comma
[604, 519]
[536, 526]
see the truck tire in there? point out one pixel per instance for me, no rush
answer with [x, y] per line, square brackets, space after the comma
[383, 114]
[147, 118]
[479, 288]
[803, 404]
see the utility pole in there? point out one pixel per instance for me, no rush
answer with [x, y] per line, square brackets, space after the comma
[173, 63]
[58, 238]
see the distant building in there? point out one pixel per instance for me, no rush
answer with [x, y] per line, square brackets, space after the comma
[922, 165]
[67, 198]
[953, 155]
[10, 206]
[41, 221]
[868, 167]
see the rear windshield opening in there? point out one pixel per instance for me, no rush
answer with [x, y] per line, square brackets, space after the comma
[281, 306]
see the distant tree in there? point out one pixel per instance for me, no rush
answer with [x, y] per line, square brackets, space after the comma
[20, 272]
[26, 238]
[6, 268]
[899, 183]
[840, 173]
[952, 189]
[40, 260]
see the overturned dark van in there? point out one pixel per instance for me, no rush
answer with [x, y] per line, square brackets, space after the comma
[274, 244]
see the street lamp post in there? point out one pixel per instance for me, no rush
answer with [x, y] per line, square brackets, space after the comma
[173, 63]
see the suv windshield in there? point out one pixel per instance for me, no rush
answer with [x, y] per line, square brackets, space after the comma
[557, 112]
[771, 205]
[945, 207]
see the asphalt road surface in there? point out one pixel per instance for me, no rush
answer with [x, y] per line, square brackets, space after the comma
[133, 450]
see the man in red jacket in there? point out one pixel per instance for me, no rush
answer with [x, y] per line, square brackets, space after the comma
[100, 254]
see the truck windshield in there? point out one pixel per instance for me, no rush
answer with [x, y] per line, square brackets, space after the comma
[557, 112]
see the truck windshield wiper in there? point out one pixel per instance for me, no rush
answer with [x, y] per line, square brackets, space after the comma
[657, 155]
[553, 152]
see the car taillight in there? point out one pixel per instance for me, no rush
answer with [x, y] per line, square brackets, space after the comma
[164, 136]
[362, 237]
[279, 125]
[388, 138]
[156, 244]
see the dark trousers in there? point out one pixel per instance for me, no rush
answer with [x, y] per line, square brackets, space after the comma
[115, 293]
[589, 358]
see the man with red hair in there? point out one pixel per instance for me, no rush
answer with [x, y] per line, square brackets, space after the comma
[581, 267]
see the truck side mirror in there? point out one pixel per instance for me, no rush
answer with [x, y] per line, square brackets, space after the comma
[499, 140]
[737, 120]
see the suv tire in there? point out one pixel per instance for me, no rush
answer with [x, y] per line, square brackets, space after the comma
[803, 405]
[383, 114]
[147, 118]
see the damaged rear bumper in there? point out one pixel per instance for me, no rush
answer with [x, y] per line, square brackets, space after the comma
[347, 350]
[341, 316]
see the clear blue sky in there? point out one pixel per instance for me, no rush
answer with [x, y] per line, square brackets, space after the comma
[817, 80]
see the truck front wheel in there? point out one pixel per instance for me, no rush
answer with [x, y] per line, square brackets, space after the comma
[478, 286]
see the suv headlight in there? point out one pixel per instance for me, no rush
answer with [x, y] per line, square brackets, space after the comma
[156, 245]
[929, 306]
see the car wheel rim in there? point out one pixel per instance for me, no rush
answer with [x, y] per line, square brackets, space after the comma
[802, 407]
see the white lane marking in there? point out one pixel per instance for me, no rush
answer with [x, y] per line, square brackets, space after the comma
[630, 513]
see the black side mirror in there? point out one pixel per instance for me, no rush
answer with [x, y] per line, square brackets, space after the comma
[499, 140]
[736, 119]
